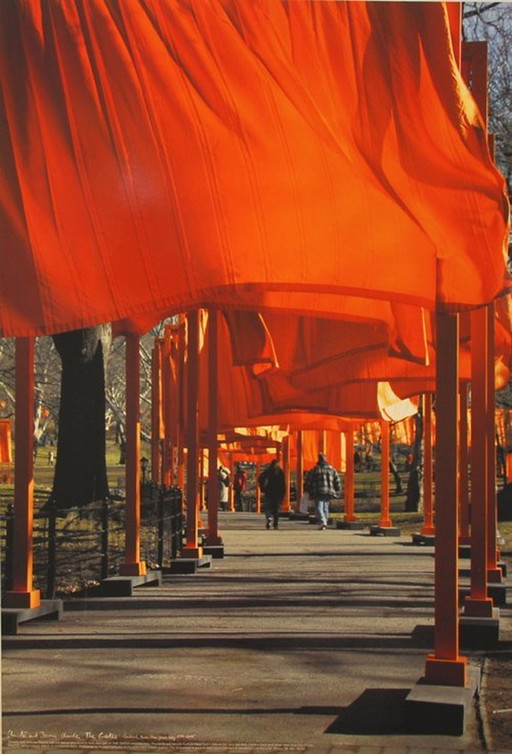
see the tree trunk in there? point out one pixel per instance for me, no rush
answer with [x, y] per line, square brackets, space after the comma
[396, 476]
[121, 442]
[414, 499]
[81, 469]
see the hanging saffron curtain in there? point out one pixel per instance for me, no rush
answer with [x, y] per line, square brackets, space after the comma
[156, 156]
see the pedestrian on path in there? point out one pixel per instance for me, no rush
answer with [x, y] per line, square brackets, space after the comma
[239, 486]
[323, 483]
[224, 481]
[272, 483]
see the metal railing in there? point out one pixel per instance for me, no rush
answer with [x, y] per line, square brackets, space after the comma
[78, 547]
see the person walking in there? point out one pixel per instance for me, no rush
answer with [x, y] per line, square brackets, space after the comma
[323, 483]
[272, 483]
[224, 480]
[239, 485]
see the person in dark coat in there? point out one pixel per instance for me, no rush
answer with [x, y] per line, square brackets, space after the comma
[239, 485]
[272, 483]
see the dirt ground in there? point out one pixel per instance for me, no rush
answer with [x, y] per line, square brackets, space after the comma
[497, 698]
[496, 691]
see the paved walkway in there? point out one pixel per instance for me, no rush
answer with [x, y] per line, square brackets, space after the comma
[299, 640]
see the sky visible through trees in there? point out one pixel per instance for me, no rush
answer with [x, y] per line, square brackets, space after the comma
[492, 22]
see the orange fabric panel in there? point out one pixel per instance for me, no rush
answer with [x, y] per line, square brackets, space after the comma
[310, 448]
[250, 340]
[244, 400]
[159, 155]
[403, 431]
[273, 398]
[336, 450]
[306, 345]
[362, 366]
[239, 394]
[391, 407]
[358, 399]
[224, 459]
[5, 441]
[369, 432]
[293, 420]
[314, 353]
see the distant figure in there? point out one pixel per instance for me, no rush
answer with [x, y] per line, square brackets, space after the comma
[239, 485]
[271, 482]
[368, 460]
[323, 483]
[51, 457]
[396, 476]
[409, 461]
[357, 461]
[224, 480]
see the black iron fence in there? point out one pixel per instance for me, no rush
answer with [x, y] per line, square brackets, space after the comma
[76, 548]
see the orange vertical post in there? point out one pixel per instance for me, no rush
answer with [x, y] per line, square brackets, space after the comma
[445, 666]
[349, 479]
[132, 565]
[464, 518]
[22, 594]
[258, 491]
[169, 429]
[454, 11]
[323, 441]
[201, 486]
[300, 470]
[385, 519]
[180, 429]
[478, 603]
[191, 548]
[156, 412]
[213, 537]
[474, 71]
[494, 572]
[428, 527]
[231, 488]
[287, 476]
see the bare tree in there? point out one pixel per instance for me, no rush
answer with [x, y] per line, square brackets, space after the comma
[492, 22]
[47, 386]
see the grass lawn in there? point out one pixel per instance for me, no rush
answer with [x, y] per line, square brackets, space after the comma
[43, 471]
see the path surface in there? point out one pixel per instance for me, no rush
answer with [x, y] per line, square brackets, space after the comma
[299, 640]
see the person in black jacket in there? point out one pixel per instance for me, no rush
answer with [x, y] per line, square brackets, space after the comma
[271, 482]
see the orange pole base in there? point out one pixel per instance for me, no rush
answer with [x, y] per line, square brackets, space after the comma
[349, 518]
[133, 569]
[429, 530]
[213, 540]
[440, 672]
[22, 599]
[385, 523]
[192, 552]
[478, 608]
[494, 575]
